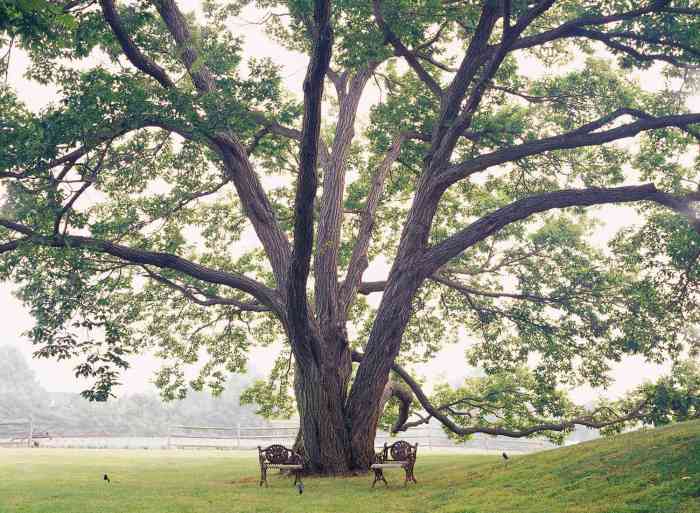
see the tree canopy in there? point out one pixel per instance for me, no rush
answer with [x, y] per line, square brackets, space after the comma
[177, 198]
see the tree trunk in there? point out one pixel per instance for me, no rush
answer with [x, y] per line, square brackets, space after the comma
[338, 431]
[364, 406]
[321, 395]
[326, 439]
[405, 278]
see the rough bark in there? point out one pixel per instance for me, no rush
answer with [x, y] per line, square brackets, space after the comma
[328, 303]
[323, 430]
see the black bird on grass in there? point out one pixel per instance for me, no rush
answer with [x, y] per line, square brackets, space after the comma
[505, 457]
[106, 478]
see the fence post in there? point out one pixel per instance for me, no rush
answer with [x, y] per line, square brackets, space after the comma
[238, 435]
[430, 433]
[31, 431]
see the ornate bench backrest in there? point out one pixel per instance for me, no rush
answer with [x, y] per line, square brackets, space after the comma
[279, 455]
[399, 451]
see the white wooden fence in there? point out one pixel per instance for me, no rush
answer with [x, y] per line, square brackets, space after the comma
[24, 433]
[247, 437]
[17, 433]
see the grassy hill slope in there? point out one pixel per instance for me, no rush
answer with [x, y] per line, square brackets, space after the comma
[656, 471]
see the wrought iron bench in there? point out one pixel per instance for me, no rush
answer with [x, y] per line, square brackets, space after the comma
[400, 454]
[278, 456]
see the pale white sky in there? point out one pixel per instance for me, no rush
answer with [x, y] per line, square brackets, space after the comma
[450, 363]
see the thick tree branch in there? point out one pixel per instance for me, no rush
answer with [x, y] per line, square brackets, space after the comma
[265, 295]
[193, 295]
[177, 25]
[369, 287]
[473, 59]
[440, 254]
[401, 50]
[506, 20]
[438, 413]
[442, 149]
[237, 167]
[404, 396]
[583, 136]
[328, 303]
[6, 247]
[568, 29]
[305, 346]
[200, 73]
[236, 163]
[256, 205]
[339, 80]
[358, 259]
[132, 52]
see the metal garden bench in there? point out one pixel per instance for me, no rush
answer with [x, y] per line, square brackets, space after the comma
[278, 456]
[400, 454]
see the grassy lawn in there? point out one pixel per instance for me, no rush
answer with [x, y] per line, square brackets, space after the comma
[647, 472]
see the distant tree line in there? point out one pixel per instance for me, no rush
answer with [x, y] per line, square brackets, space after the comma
[22, 396]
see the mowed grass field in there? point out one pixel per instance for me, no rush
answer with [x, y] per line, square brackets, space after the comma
[656, 471]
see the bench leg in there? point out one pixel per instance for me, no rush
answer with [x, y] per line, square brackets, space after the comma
[263, 476]
[379, 476]
[410, 477]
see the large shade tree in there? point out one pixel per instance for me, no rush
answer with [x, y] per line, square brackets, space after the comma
[132, 200]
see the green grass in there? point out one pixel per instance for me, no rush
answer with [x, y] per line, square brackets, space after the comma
[656, 471]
